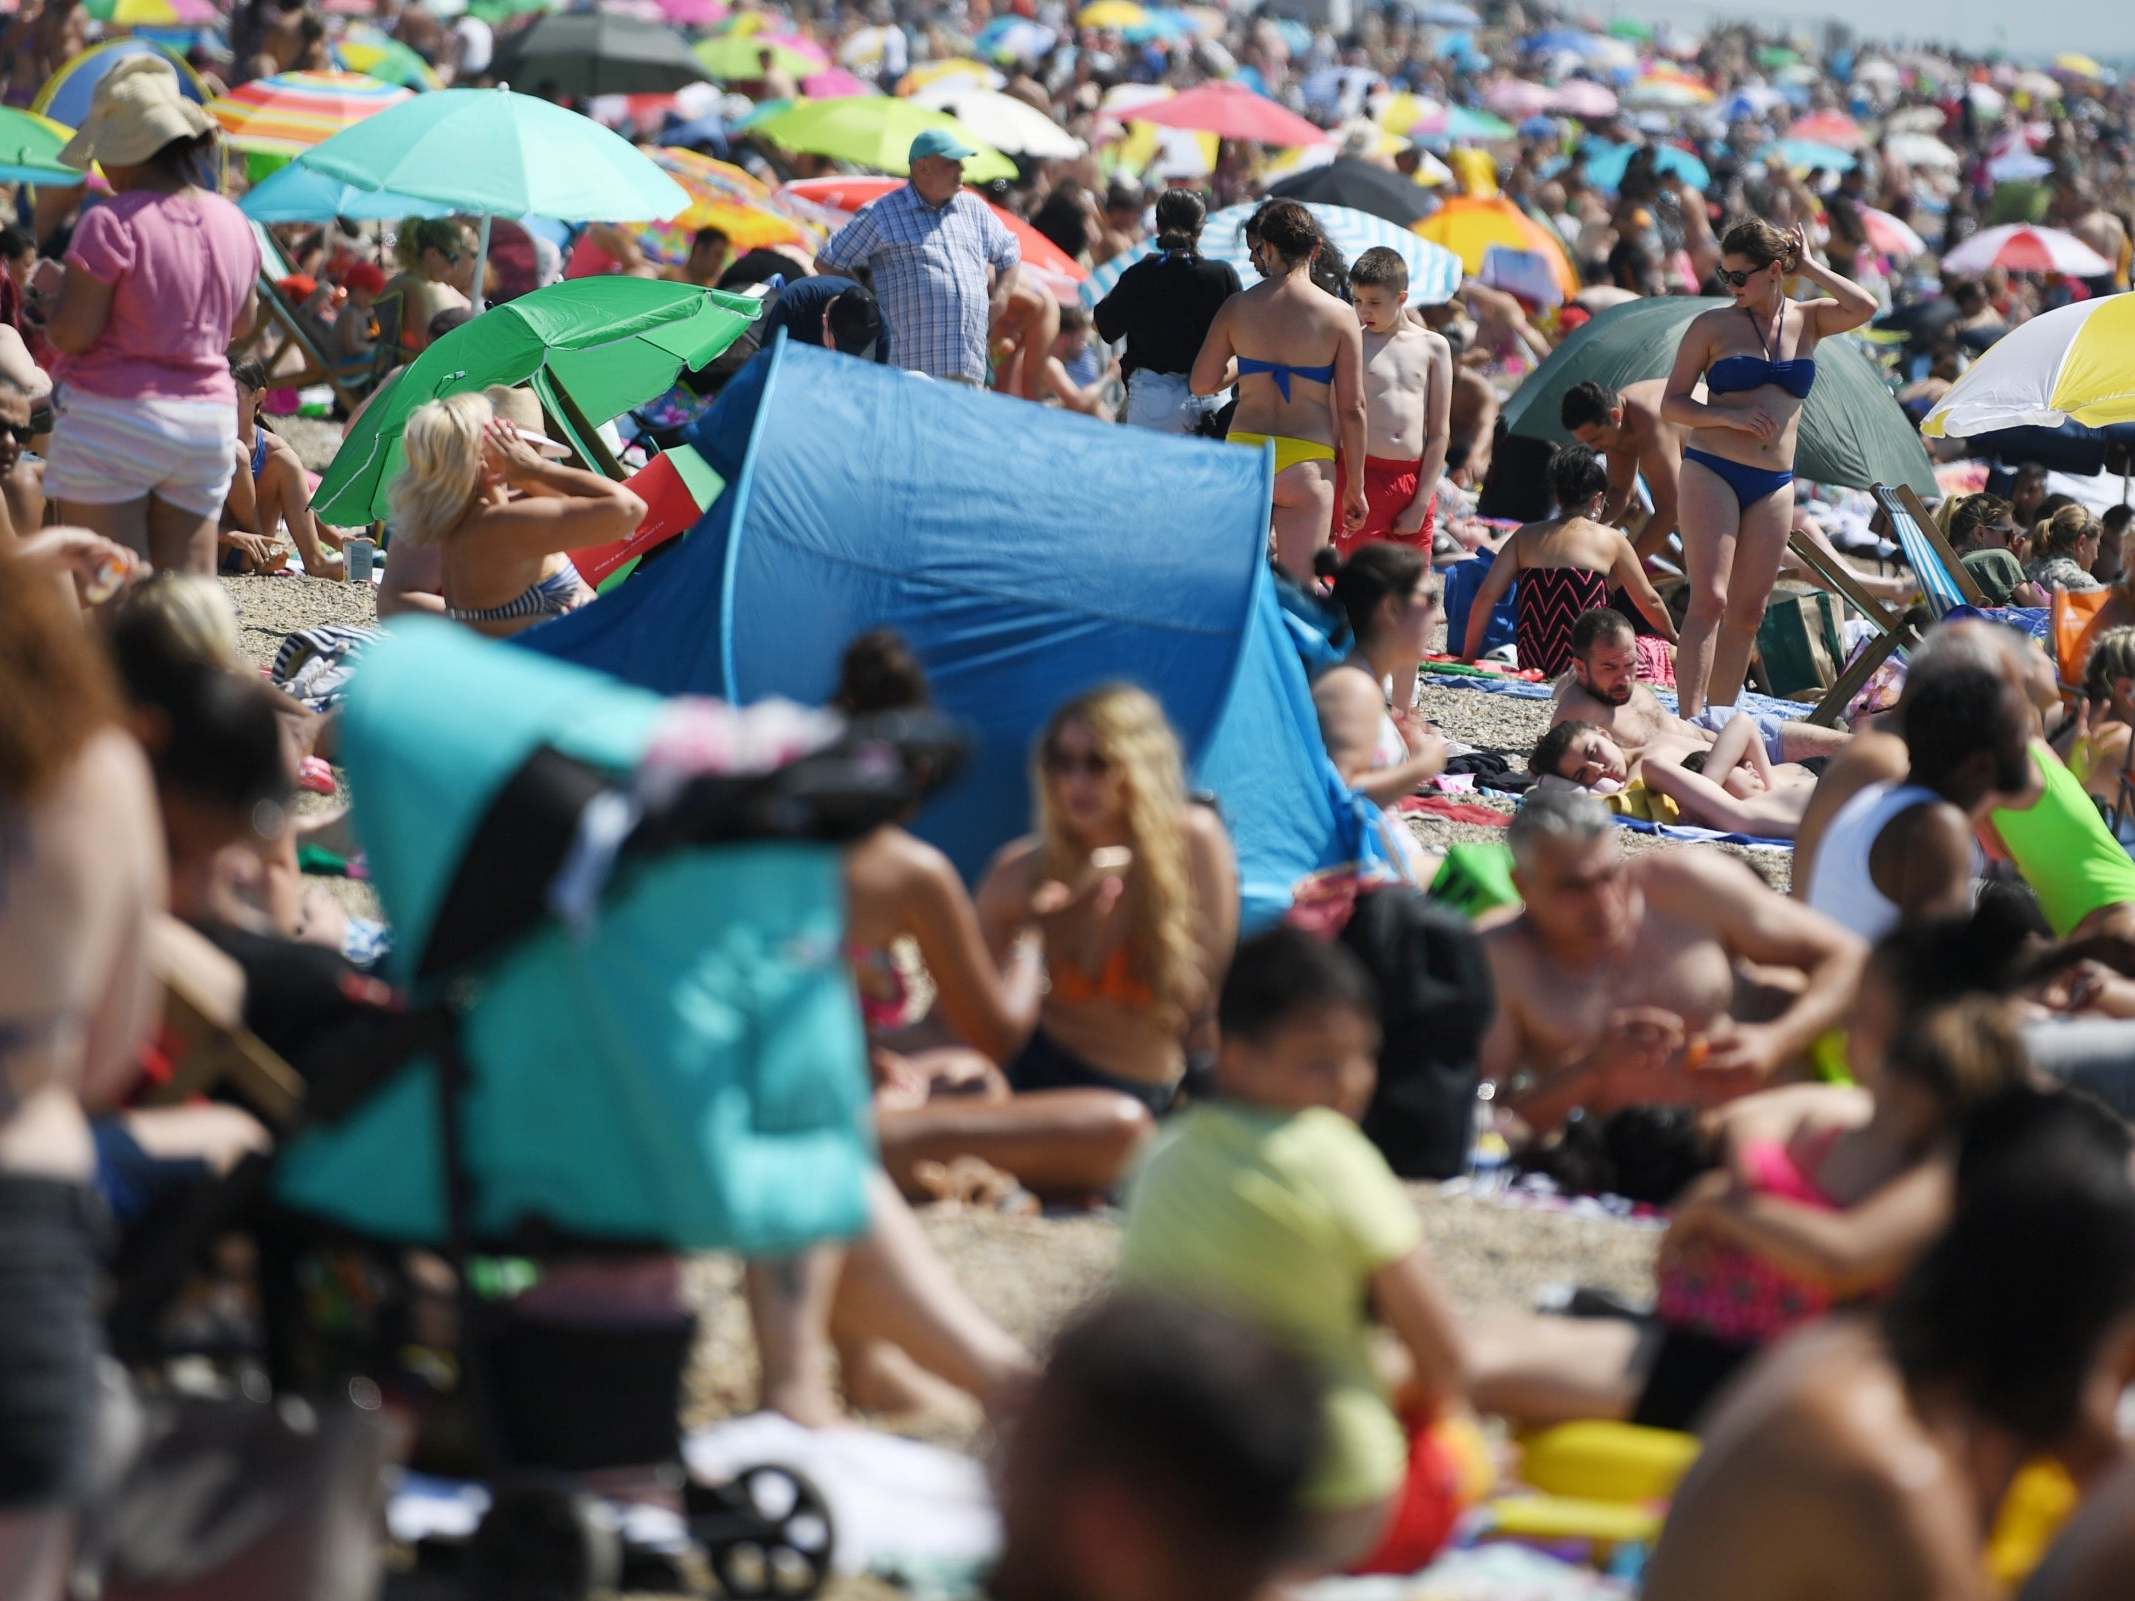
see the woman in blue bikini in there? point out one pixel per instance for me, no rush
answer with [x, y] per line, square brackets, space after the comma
[1755, 358]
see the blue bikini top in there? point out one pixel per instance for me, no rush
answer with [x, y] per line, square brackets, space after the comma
[1731, 375]
[1282, 373]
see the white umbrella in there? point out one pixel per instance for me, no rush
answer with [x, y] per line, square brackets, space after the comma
[1001, 120]
[1914, 119]
[2038, 85]
[2020, 247]
[2019, 166]
[1122, 98]
[1922, 150]
[1985, 98]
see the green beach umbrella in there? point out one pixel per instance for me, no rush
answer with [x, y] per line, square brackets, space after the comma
[740, 56]
[875, 131]
[492, 153]
[592, 347]
[1853, 432]
[29, 150]
[1630, 28]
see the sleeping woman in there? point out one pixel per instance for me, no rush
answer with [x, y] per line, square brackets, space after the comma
[1731, 785]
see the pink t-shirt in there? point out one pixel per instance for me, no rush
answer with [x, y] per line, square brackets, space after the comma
[182, 266]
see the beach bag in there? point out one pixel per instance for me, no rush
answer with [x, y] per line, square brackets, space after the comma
[1464, 579]
[2072, 624]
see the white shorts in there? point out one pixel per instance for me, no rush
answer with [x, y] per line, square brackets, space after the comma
[1162, 401]
[109, 449]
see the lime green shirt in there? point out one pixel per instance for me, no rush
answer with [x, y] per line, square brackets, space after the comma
[2061, 844]
[1283, 1218]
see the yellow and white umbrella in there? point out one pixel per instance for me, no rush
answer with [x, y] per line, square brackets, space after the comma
[2075, 364]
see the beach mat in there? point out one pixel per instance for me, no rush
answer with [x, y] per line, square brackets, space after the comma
[1532, 689]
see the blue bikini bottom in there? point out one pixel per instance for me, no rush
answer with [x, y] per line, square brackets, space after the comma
[1750, 484]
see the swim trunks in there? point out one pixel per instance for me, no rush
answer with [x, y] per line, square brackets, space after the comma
[1389, 486]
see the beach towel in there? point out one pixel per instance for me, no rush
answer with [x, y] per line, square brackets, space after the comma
[1453, 811]
[1436, 678]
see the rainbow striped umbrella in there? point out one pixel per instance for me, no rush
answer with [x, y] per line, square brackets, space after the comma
[385, 58]
[293, 111]
[721, 196]
[710, 178]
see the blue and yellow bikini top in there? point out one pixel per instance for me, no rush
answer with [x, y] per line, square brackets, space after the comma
[1282, 373]
[1731, 375]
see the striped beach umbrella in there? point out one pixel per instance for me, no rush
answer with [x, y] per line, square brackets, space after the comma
[293, 111]
[722, 196]
[1434, 271]
[2019, 247]
[2076, 364]
[154, 13]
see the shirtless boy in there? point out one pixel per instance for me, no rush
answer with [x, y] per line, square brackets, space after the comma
[1893, 1435]
[1408, 391]
[1603, 689]
[1616, 982]
[1627, 428]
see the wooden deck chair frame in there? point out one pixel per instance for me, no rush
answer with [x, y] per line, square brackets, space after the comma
[213, 1046]
[317, 369]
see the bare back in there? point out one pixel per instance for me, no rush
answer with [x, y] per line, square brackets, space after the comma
[1574, 542]
[1292, 322]
[483, 572]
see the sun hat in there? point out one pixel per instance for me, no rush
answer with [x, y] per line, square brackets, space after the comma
[940, 142]
[136, 111]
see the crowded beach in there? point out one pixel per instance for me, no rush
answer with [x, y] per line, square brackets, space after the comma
[1063, 804]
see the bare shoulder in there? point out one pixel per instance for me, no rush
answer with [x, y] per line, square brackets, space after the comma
[1695, 874]
[1013, 867]
[1345, 688]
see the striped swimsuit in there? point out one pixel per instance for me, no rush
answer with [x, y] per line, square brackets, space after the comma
[551, 597]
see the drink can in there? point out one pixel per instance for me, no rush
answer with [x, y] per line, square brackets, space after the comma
[360, 553]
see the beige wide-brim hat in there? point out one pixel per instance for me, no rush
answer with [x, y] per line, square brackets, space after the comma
[136, 111]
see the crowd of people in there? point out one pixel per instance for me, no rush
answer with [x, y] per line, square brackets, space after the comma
[1868, 1102]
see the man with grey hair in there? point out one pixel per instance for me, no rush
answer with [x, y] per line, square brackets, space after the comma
[1617, 980]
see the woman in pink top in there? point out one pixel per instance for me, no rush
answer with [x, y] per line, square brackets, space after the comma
[158, 282]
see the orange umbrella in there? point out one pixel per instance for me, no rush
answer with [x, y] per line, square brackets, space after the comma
[1469, 225]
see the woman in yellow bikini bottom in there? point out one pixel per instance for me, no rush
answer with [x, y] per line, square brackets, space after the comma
[1289, 451]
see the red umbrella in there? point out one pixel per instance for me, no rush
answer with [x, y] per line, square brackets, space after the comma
[1232, 111]
[1060, 272]
[1828, 128]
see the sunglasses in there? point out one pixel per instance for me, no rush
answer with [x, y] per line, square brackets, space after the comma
[1065, 764]
[1735, 280]
[21, 432]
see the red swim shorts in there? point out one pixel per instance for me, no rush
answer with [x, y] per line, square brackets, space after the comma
[1389, 486]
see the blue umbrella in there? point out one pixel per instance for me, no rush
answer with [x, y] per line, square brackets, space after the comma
[1013, 36]
[1605, 164]
[1808, 153]
[1336, 86]
[1448, 14]
[1539, 127]
[1294, 34]
[298, 194]
[1160, 22]
[1568, 41]
[1434, 271]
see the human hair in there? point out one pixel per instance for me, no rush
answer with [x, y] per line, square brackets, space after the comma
[1757, 240]
[2008, 1308]
[1368, 576]
[450, 318]
[2116, 518]
[1204, 1418]
[442, 444]
[186, 616]
[1959, 711]
[879, 673]
[189, 159]
[220, 739]
[1598, 625]
[1550, 812]
[1289, 228]
[1546, 760]
[2060, 534]
[248, 374]
[2054, 504]
[1972, 513]
[1630, 265]
[1587, 404]
[1062, 219]
[1576, 476]
[418, 234]
[1285, 974]
[2033, 471]
[2111, 658]
[1179, 216]
[1130, 731]
[14, 242]
[1962, 1054]
[56, 688]
[1074, 319]
[708, 234]
[1380, 268]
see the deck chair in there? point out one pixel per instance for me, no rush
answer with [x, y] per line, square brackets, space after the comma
[301, 333]
[203, 1001]
[1900, 518]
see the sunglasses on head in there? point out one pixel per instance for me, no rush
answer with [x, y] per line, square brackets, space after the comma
[1089, 763]
[1736, 280]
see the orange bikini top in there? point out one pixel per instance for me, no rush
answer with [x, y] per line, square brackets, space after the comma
[1114, 982]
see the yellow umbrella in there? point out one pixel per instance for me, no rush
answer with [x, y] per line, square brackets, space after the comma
[2074, 364]
[1468, 225]
[954, 67]
[2079, 66]
[1115, 14]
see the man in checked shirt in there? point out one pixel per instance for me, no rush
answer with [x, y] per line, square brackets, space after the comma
[943, 264]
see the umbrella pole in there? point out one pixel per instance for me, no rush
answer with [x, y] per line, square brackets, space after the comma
[481, 266]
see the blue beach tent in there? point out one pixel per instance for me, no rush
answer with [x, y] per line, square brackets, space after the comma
[1026, 554]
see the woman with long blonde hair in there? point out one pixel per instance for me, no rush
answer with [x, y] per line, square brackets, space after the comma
[478, 487]
[1133, 893]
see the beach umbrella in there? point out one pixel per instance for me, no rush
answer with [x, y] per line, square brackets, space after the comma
[1828, 128]
[1573, 42]
[2037, 85]
[1434, 272]
[1668, 91]
[29, 150]
[1411, 115]
[1582, 97]
[1516, 97]
[1985, 99]
[379, 55]
[1015, 39]
[722, 196]
[1606, 164]
[2018, 166]
[2020, 247]
[1451, 14]
[932, 72]
[1469, 225]
[1001, 120]
[1631, 29]
[834, 83]
[2073, 364]
[298, 194]
[1358, 186]
[693, 13]
[1853, 432]
[735, 58]
[1231, 111]
[293, 111]
[584, 53]
[876, 132]
[1339, 89]
[1890, 235]
[1750, 102]
[593, 348]
[864, 50]
[66, 94]
[1882, 74]
[2081, 66]
[710, 177]
[153, 13]
[1922, 150]
[1468, 125]
[1805, 155]
[1113, 14]
[840, 197]
[492, 153]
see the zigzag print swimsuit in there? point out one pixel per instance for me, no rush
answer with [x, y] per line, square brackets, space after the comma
[1546, 602]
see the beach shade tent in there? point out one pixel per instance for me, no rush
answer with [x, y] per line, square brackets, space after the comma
[583, 53]
[1232, 111]
[2075, 364]
[685, 1069]
[1469, 225]
[492, 153]
[875, 132]
[1434, 271]
[30, 147]
[1360, 186]
[1853, 432]
[293, 111]
[1042, 556]
[66, 94]
[591, 347]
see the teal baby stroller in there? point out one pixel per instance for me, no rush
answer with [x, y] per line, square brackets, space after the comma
[618, 921]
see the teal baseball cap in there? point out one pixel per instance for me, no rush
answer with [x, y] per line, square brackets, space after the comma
[941, 142]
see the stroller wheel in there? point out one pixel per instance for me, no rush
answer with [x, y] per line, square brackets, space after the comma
[767, 1534]
[542, 1543]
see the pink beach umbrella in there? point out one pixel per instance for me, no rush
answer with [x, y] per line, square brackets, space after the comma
[834, 83]
[693, 13]
[1517, 98]
[1581, 97]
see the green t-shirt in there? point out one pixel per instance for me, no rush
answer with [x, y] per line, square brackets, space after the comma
[1996, 571]
[1283, 1218]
